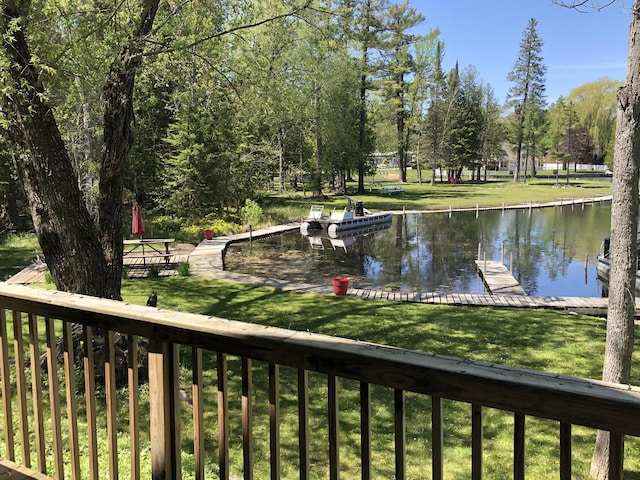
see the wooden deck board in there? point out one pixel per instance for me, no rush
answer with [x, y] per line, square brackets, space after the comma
[498, 278]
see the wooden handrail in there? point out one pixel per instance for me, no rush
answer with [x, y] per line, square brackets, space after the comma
[568, 400]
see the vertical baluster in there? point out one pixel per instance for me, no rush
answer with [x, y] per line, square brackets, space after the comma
[36, 392]
[175, 419]
[303, 422]
[223, 417]
[476, 442]
[112, 409]
[134, 401]
[274, 419]
[198, 412]
[334, 428]
[365, 429]
[518, 446]
[159, 409]
[54, 398]
[400, 433]
[21, 388]
[71, 392]
[616, 456]
[6, 388]
[90, 401]
[565, 451]
[436, 438]
[247, 418]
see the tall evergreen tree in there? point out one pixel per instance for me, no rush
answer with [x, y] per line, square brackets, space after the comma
[527, 95]
[436, 116]
[400, 18]
[492, 131]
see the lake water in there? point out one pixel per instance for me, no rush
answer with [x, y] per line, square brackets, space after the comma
[553, 251]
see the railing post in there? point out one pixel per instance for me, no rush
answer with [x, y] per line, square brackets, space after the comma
[163, 464]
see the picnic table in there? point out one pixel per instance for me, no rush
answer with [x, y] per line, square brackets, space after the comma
[136, 249]
[389, 189]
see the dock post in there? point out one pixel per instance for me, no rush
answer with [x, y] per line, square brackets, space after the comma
[484, 270]
[502, 253]
[479, 250]
[449, 211]
[477, 210]
[250, 234]
[511, 263]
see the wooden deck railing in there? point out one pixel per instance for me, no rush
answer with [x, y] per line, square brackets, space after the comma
[198, 403]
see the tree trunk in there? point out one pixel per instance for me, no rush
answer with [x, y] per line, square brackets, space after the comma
[82, 257]
[62, 223]
[624, 230]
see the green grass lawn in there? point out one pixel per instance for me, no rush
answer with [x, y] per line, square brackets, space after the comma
[442, 196]
[535, 339]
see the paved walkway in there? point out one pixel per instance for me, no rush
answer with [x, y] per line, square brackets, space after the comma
[207, 261]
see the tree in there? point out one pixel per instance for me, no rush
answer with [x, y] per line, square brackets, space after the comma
[438, 110]
[82, 256]
[492, 132]
[367, 31]
[595, 105]
[464, 135]
[426, 50]
[526, 96]
[623, 248]
[400, 18]
[83, 250]
[578, 145]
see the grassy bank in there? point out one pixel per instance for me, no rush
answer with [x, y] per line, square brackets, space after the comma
[442, 196]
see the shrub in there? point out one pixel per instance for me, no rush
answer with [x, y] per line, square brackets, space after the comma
[251, 212]
[183, 269]
[48, 278]
[154, 271]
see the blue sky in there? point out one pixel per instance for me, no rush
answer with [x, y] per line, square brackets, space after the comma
[578, 47]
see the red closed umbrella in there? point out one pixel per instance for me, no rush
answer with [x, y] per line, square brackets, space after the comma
[137, 227]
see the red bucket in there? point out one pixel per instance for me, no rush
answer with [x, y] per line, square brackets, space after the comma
[208, 234]
[340, 286]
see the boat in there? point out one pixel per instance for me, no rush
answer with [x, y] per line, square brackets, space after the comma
[340, 221]
[344, 239]
[603, 265]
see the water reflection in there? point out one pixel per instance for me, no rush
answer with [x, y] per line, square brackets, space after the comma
[553, 251]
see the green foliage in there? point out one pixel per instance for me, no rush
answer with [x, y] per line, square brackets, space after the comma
[154, 271]
[251, 212]
[183, 269]
[48, 278]
[595, 106]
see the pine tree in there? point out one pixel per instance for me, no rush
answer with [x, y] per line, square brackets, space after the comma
[400, 19]
[527, 95]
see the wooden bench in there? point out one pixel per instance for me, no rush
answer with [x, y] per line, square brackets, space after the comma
[389, 189]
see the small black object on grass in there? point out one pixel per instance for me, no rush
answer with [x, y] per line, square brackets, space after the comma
[152, 300]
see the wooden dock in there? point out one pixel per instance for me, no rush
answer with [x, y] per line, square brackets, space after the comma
[498, 278]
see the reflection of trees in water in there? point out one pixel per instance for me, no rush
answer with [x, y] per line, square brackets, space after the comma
[435, 252]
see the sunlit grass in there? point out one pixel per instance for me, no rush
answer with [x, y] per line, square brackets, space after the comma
[16, 252]
[442, 196]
